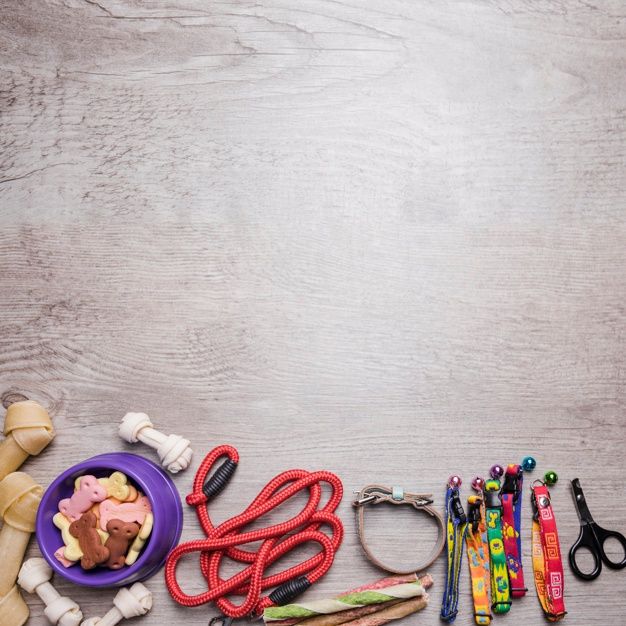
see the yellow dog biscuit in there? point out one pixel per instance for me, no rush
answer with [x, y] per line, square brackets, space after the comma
[140, 540]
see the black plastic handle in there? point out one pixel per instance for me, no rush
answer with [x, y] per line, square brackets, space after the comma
[602, 534]
[586, 540]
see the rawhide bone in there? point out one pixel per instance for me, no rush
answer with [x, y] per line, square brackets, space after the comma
[174, 451]
[19, 499]
[34, 577]
[128, 602]
[28, 430]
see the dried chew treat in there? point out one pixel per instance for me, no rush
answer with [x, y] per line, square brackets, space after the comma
[28, 430]
[121, 534]
[84, 529]
[19, 499]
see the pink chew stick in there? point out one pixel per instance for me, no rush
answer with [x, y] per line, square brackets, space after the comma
[126, 511]
[89, 491]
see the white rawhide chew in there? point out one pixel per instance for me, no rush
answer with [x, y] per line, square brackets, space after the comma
[173, 450]
[34, 577]
[128, 602]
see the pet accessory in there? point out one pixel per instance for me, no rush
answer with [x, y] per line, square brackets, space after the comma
[145, 476]
[19, 498]
[174, 451]
[128, 602]
[371, 596]
[28, 430]
[478, 554]
[391, 613]
[377, 494]
[592, 537]
[34, 577]
[511, 528]
[547, 564]
[276, 540]
[551, 478]
[500, 592]
[456, 526]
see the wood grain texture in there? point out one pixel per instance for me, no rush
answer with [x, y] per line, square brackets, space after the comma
[375, 237]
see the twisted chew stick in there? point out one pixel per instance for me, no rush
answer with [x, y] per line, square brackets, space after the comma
[388, 614]
[19, 500]
[349, 605]
[345, 617]
[28, 430]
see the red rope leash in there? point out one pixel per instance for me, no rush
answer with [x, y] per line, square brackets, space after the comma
[277, 540]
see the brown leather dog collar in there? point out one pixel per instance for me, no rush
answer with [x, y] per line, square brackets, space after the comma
[377, 494]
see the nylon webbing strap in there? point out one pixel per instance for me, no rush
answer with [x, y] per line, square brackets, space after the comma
[547, 562]
[456, 525]
[500, 591]
[511, 525]
[478, 559]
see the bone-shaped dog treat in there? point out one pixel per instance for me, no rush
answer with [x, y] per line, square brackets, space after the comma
[28, 430]
[126, 511]
[117, 487]
[71, 551]
[34, 577]
[128, 602]
[89, 491]
[120, 536]
[140, 539]
[19, 499]
[84, 529]
[174, 451]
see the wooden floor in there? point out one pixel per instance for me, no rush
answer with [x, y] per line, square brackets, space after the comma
[385, 238]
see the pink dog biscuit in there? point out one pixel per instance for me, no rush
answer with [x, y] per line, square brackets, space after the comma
[126, 511]
[90, 491]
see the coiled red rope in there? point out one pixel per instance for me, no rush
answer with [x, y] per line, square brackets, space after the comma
[277, 540]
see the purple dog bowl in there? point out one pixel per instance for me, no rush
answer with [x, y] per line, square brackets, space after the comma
[166, 508]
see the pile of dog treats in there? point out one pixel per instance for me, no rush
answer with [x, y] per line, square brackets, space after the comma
[105, 522]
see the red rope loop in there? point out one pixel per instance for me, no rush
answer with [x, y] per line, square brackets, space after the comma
[276, 540]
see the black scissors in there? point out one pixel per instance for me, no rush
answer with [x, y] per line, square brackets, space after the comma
[592, 537]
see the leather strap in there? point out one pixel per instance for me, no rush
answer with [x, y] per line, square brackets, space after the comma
[377, 494]
[456, 525]
[511, 524]
[546, 552]
[500, 591]
[478, 559]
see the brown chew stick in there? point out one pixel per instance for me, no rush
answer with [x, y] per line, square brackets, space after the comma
[19, 499]
[84, 529]
[390, 613]
[28, 430]
[120, 536]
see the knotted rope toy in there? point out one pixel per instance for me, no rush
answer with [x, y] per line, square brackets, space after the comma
[19, 499]
[276, 540]
[28, 430]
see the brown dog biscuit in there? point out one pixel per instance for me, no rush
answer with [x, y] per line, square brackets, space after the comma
[121, 534]
[84, 529]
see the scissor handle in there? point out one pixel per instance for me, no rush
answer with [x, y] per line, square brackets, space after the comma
[602, 534]
[586, 540]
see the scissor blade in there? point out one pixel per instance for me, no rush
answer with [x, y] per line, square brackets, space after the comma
[581, 502]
